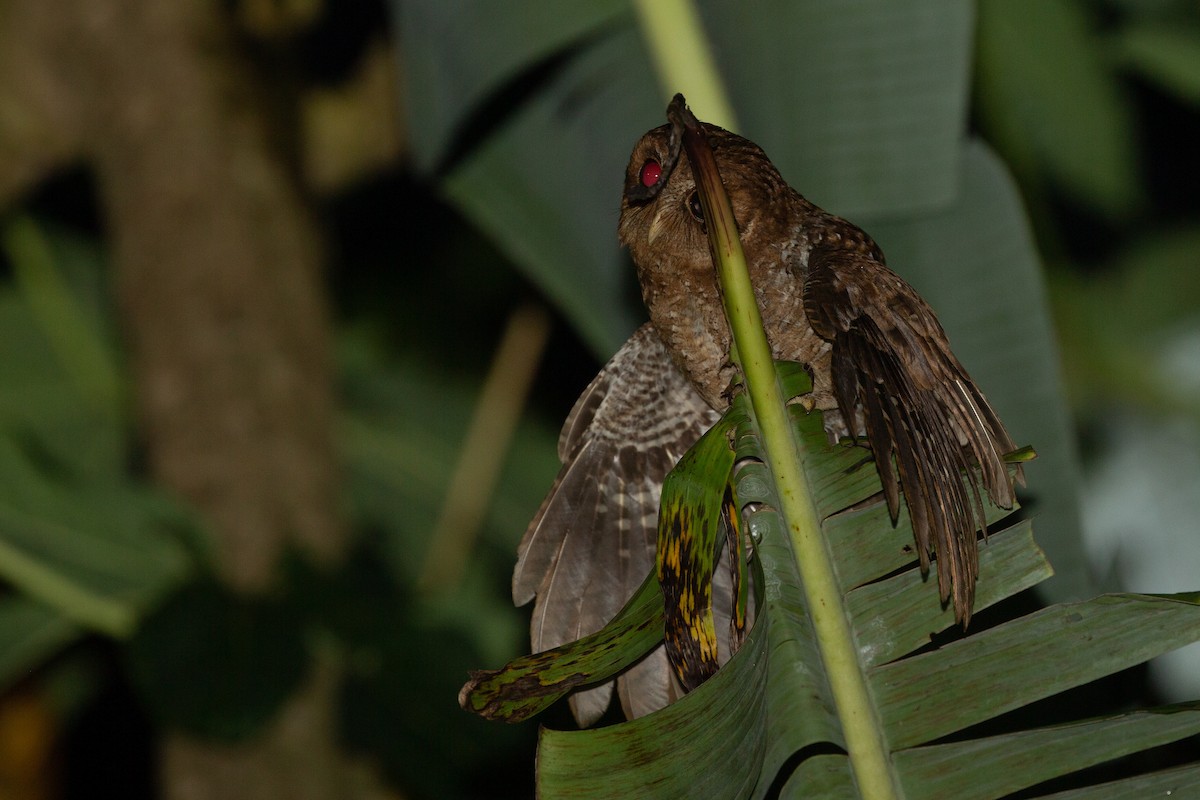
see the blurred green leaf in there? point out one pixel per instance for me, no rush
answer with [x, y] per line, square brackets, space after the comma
[1118, 328]
[546, 185]
[399, 457]
[861, 105]
[1050, 102]
[101, 555]
[1150, 288]
[44, 406]
[74, 531]
[1166, 55]
[883, 143]
[1179, 10]
[458, 52]
[30, 632]
[74, 338]
[216, 664]
[402, 710]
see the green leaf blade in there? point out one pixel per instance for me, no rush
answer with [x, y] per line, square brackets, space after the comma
[1004, 764]
[898, 615]
[1030, 658]
[719, 725]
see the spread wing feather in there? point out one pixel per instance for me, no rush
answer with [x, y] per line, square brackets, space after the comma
[918, 406]
[592, 541]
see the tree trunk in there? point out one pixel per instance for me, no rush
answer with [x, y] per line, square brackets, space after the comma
[217, 272]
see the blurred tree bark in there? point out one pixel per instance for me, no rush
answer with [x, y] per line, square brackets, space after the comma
[217, 271]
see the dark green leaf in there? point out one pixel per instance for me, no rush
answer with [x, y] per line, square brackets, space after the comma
[1025, 660]
[218, 665]
[100, 554]
[1179, 782]
[1050, 102]
[458, 53]
[1004, 764]
[30, 632]
[1169, 55]
[709, 744]
[689, 541]
[528, 685]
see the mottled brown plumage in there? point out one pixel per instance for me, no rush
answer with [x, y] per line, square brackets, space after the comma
[881, 365]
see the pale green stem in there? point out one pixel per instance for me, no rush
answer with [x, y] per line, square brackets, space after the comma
[675, 36]
[493, 423]
[864, 741]
[865, 744]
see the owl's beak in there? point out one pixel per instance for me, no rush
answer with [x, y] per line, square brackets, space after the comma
[657, 225]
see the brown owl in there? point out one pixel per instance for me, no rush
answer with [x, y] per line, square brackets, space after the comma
[882, 371]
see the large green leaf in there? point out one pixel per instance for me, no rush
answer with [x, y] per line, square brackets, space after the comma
[801, 712]
[1051, 103]
[101, 555]
[1179, 782]
[76, 532]
[866, 122]
[1028, 757]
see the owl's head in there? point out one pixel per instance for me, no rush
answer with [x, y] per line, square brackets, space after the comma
[661, 218]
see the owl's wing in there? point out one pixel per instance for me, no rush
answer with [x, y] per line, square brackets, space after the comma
[892, 364]
[592, 542]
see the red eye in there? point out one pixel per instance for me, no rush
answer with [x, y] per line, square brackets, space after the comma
[651, 172]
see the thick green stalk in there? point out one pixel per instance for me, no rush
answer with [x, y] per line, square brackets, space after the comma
[675, 36]
[864, 740]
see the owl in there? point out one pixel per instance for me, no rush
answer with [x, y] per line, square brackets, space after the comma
[882, 371]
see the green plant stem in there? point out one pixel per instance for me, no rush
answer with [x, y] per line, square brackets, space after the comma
[682, 57]
[484, 449]
[864, 741]
[681, 54]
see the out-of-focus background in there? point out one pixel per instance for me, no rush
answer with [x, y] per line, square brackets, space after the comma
[295, 294]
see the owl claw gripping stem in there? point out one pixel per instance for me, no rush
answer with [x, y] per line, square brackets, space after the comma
[882, 370]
